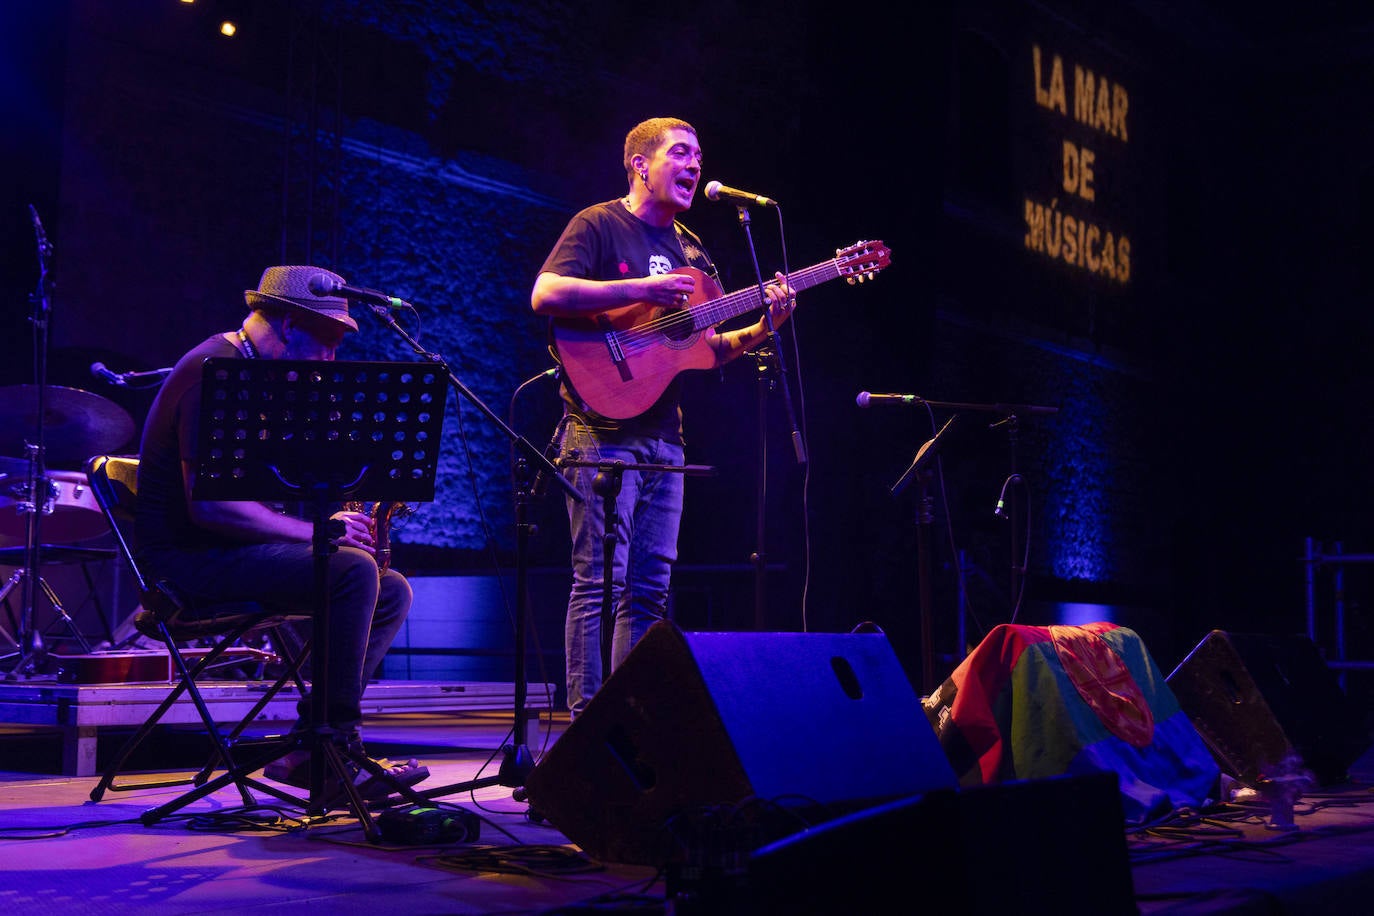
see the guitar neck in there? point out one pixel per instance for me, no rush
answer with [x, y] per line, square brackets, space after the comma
[731, 305]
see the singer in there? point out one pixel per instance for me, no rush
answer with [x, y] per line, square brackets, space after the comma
[627, 255]
[234, 551]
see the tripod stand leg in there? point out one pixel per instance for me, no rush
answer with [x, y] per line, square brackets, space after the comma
[62, 614]
[14, 580]
[4, 593]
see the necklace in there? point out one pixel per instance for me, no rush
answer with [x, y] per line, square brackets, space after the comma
[249, 350]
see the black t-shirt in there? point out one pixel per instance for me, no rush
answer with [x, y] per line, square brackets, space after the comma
[163, 520]
[607, 242]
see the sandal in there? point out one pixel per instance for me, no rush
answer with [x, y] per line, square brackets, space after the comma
[373, 787]
[293, 769]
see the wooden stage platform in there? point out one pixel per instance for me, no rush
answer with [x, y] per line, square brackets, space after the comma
[80, 710]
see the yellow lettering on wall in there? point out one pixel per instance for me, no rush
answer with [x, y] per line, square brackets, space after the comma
[1076, 242]
[1109, 256]
[1089, 255]
[1102, 119]
[1099, 103]
[1084, 89]
[1078, 170]
[1120, 101]
[1051, 97]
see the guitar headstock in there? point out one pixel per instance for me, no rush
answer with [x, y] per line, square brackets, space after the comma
[862, 260]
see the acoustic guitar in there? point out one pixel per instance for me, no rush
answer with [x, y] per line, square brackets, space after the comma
[621, 361]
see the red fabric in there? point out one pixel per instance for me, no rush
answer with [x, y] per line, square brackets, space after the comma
[1105, 683]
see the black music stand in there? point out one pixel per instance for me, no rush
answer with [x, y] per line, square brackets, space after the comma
[919, 473]
[321, 433]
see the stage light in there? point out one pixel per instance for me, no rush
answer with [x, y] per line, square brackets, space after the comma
[227, 29]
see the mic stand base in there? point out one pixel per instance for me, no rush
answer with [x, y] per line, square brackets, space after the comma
[516, 758]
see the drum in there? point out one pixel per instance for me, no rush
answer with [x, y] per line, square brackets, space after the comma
[75, 515]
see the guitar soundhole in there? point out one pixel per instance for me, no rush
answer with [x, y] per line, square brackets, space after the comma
[676, 324]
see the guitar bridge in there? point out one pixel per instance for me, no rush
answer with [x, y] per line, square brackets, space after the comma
[614, 349]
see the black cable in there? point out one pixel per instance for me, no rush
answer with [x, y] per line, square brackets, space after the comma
[47, 833]
[546, 861]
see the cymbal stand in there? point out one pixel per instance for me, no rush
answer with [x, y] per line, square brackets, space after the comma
[36, 497]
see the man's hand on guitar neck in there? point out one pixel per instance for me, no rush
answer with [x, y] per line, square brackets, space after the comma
[782, 301]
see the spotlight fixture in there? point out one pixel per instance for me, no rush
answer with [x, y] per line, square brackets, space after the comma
[227, 28]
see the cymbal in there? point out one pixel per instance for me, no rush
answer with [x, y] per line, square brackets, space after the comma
[18, 554]
[14, 468]
[76, 423]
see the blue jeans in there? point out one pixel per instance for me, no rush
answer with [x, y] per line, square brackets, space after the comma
[365, 611]
[649, 510]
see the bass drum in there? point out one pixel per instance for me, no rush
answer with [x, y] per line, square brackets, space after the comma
[75, 514]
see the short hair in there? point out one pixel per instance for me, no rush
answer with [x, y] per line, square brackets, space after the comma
[646, 136]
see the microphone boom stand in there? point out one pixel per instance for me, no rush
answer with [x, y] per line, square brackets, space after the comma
[771, 366]
[516, 760]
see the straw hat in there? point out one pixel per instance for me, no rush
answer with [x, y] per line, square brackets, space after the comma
[291, 286]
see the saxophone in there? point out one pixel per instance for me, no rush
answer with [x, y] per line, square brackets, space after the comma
[382, 514]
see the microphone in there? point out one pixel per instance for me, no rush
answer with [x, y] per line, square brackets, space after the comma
[867, 399]
[322, 285]
[100, 372]
[1001, 510]
[715, 190]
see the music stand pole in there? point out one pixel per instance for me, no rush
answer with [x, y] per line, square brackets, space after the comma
[919, 472]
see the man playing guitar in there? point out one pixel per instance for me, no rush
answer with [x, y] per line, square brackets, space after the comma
[628, 263]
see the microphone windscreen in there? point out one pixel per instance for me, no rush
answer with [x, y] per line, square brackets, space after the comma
[321, 285]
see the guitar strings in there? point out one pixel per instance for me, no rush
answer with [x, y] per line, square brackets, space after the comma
[643, 336]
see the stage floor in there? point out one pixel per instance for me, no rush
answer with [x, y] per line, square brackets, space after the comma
[215, 857]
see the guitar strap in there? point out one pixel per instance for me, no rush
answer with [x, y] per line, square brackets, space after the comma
[693, 253]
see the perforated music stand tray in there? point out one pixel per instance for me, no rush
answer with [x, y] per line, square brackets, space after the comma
[278, 429]
[323, 432]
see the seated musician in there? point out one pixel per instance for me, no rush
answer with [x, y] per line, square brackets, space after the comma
[229, 551]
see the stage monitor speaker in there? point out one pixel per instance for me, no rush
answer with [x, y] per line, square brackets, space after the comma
[1051, 845]
[1267, 705]
[695, 722]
